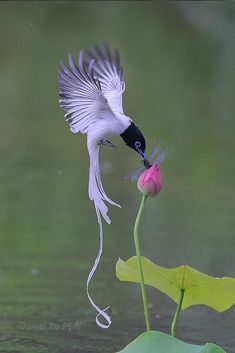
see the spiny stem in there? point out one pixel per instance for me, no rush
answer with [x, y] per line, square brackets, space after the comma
[137, 248]
[177, 312]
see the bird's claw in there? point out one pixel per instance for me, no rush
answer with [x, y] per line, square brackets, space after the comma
[106, 143]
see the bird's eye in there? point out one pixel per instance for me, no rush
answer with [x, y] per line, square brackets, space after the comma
[137, 144]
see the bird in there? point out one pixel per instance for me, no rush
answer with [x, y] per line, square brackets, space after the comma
[90, 91]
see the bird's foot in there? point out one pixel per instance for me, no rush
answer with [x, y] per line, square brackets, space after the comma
[106, 143]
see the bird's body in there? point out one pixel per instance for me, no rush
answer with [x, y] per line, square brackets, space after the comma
[110, 124]
[91, 95]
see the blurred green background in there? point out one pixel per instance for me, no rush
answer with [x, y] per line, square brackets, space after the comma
[178, 59]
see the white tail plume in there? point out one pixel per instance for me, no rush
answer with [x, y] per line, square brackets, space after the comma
[97, 194]
[94, 268]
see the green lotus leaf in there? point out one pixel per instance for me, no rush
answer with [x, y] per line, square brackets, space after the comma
[199, 288]
[158, 342]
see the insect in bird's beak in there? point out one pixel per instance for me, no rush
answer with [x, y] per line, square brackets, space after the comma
[146, 162]
[142, 154]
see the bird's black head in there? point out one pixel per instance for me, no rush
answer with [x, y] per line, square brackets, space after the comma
[134, 138]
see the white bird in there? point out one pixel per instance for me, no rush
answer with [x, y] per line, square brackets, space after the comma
[91, 95]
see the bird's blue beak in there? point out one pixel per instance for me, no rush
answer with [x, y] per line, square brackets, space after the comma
[143, 155]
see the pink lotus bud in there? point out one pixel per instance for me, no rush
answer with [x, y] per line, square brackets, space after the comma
[150, 182]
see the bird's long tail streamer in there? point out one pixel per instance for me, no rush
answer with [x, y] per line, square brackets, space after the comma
[94, 268]
[97, 194]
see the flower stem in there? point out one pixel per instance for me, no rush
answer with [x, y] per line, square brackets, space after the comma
[137, 248]
[177, 312]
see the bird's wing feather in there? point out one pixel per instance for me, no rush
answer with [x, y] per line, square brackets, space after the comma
[80, 95]
[107, 69]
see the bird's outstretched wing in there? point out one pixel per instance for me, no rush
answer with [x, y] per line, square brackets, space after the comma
[108, 71]
[80, 95]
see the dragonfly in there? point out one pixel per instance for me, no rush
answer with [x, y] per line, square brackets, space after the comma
[157, 156]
